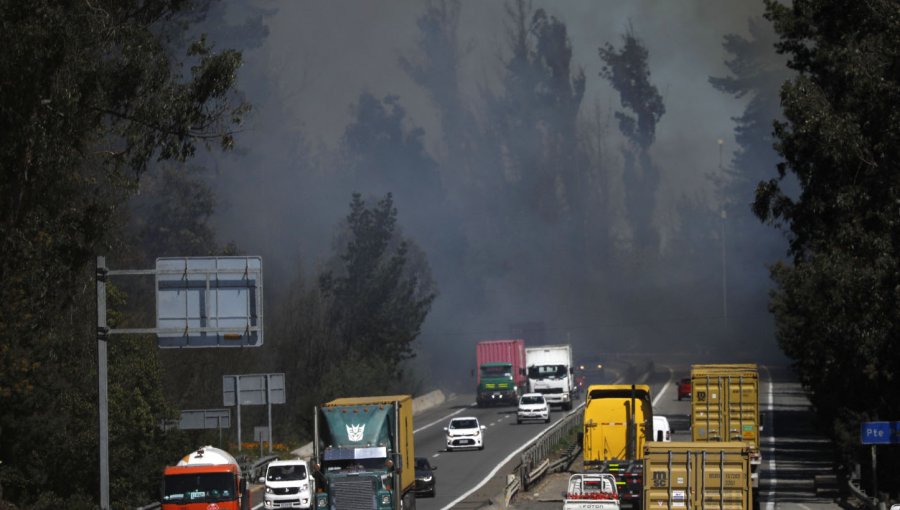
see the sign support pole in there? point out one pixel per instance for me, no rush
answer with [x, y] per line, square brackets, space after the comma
[269, 405]
[102, 396]
[237, 400]
[874, 476]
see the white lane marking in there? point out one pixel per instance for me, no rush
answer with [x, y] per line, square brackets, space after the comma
[436, 455]
[439, 420]
[663, 391]
[501, 464]
[257, 507]
[770, 504]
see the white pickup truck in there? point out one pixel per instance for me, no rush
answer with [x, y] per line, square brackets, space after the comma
[592, 491]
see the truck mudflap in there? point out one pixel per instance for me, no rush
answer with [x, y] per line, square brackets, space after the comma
[629, 478]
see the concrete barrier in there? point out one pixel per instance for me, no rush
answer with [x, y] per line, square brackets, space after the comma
[420, 403]
[428, 401]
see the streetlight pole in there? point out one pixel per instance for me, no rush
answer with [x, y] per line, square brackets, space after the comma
[724, 271]
[724, 257]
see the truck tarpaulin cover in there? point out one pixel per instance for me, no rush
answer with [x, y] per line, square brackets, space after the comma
[359, 426]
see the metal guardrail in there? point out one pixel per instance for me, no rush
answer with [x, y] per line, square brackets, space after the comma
[867, 500]
[536, 458]
[252, 470]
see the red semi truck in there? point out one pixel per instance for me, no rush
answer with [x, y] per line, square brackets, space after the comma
[500, 365]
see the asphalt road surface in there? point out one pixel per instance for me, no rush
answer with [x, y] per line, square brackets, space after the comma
[793, 452]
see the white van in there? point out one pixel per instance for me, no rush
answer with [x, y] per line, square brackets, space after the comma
[661, 431]
[289, 484]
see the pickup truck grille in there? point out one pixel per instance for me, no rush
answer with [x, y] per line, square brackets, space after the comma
[352, 494]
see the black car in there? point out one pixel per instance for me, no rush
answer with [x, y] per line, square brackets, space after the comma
[424, 477]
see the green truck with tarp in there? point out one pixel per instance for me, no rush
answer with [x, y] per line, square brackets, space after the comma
[363, 449]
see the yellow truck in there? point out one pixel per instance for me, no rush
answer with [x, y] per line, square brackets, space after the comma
[364, 450]
[618, 423]
[725, 407]
[707, 474]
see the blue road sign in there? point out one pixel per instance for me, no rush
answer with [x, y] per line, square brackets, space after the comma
[876, 432]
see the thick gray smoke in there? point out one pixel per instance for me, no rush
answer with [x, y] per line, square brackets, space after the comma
[284, 190]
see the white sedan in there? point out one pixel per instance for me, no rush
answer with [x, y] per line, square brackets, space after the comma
[532, 406]
[464, 432]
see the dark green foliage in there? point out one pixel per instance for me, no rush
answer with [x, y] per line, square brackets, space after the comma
[172, 214]
[89, 96]
[376, 306]
[757, 73]
[628, 72]
[837, 305]
[533, 119]
[383, 152]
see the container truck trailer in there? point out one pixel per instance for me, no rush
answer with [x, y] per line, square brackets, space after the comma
[363, 448]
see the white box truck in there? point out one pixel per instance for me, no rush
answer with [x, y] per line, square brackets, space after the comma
[550, 372]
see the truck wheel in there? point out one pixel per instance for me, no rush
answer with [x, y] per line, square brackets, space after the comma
[518, 421]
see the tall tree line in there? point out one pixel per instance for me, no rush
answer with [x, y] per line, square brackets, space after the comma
[836, 304]
[91, 96]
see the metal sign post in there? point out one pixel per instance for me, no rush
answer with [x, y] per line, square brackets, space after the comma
[201, 302]
[875, 433]
[254, 390]
[103, 402]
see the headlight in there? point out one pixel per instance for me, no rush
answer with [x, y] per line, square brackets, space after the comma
[477, 433]
[268, 490]
[426, 479]
[385, 499]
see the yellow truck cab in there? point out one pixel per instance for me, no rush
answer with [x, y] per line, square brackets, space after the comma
[618, 422]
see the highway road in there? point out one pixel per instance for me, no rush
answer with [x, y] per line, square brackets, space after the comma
[793, 453]
[461, 472]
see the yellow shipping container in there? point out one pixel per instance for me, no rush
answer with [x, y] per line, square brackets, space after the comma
[701, 475]
[725, 407]
[405, 446]
[725, 403]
